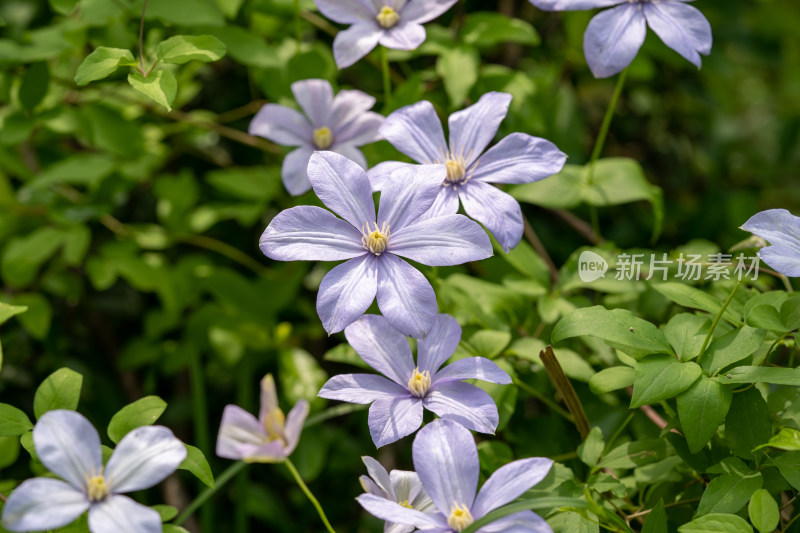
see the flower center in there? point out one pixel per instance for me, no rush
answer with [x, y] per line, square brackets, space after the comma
[273, 424]
[388, 17]
[97, 489]
[323, 138]
[456, 171]
[406, 504]
[419, 383]
[376, 240]
[460, 517]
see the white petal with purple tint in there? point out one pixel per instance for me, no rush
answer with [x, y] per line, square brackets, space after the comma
[682, 27]
[405, 297]
[472, 129]
[282, 125]
[143, 458]
[522, 522]
[416, 131]
[442, 241]
[613, 39]
[464, 403]
[498, 211]
[294, 425]
[361, 388]
[121, 514]
[439, 345]
[348, 12]
[519, 158]
[355, 42]
[407, 35]
[294, 171]
[391, 420]
[573, 5]
[382, 347]
[346, 292]
[782, 230]
[394, 512]
[310, 233]
[68, 445]
[343, 187]
[409, 193]
[425, 11]
[380, 174]
[473, 368]
[509, 482]
[40, 504]
[315, 98]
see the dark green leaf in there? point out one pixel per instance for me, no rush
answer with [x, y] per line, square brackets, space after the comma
[702, 409]
[197, 464]
[731, 348]
[760, 374]
[489, 29]
[729, 493]
[633, 454]
[659, 377]
[656, 521]
[34, 85]
[748, 423]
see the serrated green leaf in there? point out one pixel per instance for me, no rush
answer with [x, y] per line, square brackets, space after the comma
[102, 63]
[197, 464]
[142, 412]
[59, 390]
[160, 86]
[13, 421]
[702, 408]
[763, 511]
[659, 377]
[184, 48]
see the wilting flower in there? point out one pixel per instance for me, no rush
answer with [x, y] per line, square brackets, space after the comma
[269, 439]
[446, 459]
[416, 131]
[400, 486]
[392, 23]
[371, 245]
[614, 37]
[340, 124]
[69, 446]
[782, 230]
[397, 402]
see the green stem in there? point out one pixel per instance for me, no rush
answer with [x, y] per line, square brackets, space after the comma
[221, 481]
[200, 419]
[297, 29]
[387, 80]
[309, 494]
[617, 433]
[716, 321]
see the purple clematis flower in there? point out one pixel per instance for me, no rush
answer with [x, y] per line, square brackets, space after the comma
[614, 37]
[392, 23]
[446, 459]
[340, 124]
[269, 439]
[416, 131]
[69, 446]
[782, 230]
[371, 245]
[400, 486]
[397, 402]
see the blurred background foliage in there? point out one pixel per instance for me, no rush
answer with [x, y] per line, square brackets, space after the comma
[131, 232]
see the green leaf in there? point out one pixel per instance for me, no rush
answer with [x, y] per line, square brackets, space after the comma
[760, 374]
[458, 68]
[300, 375]
[763, 511]
[717, 523]
[686, 333]
[493, 454]
[172, 528]
[659, 377]
[37, 320]
[572, 522]
[573, 364]
[620, 327]
[142, 412]
[7, 311]
[748, 423]
[731, 348]
[9, 451]
[789, 466]
[634, 454]
[787, 439]
[26, 440]
[611, 379]
[13, 421]
[167, 512]
[102, 63]
[160, 86]
[34, 85]
[184, 48]
[63, 7]
[24, 256]
[197, 464]
[344, 353]
[656, 521]
[183, 13]
[768, 317]
[484, 29]
[790, 313]
[560, 191]
[702, 409]
[694, 299]
[590, 449]
[729, 493]
[489, 343]
[59, 390]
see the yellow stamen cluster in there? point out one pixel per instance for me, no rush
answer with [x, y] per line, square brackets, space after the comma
[388, 17]
[456, 170]
[323, 138]
[96, 488]
[419, 383]
[274, 423]
[376, 240]
[406, 504]
[460, 517]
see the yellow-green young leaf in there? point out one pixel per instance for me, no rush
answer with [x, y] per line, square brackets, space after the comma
[787, 439]
[488, 29]
[26, 440]
[489, 343]
[717, 523]
[160, 86]
[458, 68]
[590, 449]
[142, 412]
[167, 512]
[197, 464]
[13, 421]
[637, 453]
[184, 48]
[763, 511]
[702, 409]
[59, 390]
[659, 377]
[102, 63]
[760, 374]
[172, 528]
[7, 311]
[611, 379]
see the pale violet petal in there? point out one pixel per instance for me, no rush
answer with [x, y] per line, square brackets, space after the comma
[472, 129]
[355, 42]
[346, 292]
[360, 388]
[348, 106]
[408, 194]
[408, 487]
[382, 347]
[573, 5]
[143, 458]
[522, 522]
[782, 258]
[442, 241]
[377, 472]
[40, 504]
[446, 459]
[416, 131]
[405, 297]
[498, 211]
[423, 12]
[406, 35]
[349, 12]
[464, 403]
[682, 27]
[381, 174]
[310, 233]
[282, 125]
[613, 39]
[439, 345]
[370, 487]
[473, 368]
[394, 512]
[509, 482]
[268, 398]
[391, 420]
[240, 434]
[359, 131]
[352, 153]
[446, 203]
[519, 158]
[68, 445]
[120, 514]
[294, 425]
[343, 186]
[782, 230]
[315, 97]
[294, 171]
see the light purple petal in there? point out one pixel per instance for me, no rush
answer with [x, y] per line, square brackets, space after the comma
[352, 153]
[121, 514]
[464, 403]
[416, 131]
[408, 487]
[316, 99]
[348, 106]
[394, 512]
[346, 292]
[446, 203]
[241, 436]
[361, 388]
[783, 259]
[359, 131]
[355, 42]
[472, 129]
[446, 459]
[370, 487]
[422, 12]
[39, 504]
[519, 158]
[442, 241]
[509, 482]
[294, 171]
[268, 399]
[473, 368]
[573, 5]
[391, 420]
[613, 39]
[383, 348]
[349, 12]
[380, 175]
[343, 186]
[68, 445]
[143, 458]
[439, 345]
[294, 425]
[522, 522]
[281, 125]
[310, 233]
[408, 194]
[782, 230]
[381, 476]
[498, 211]
[682, 27]
[407, 35]
[405, 297]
